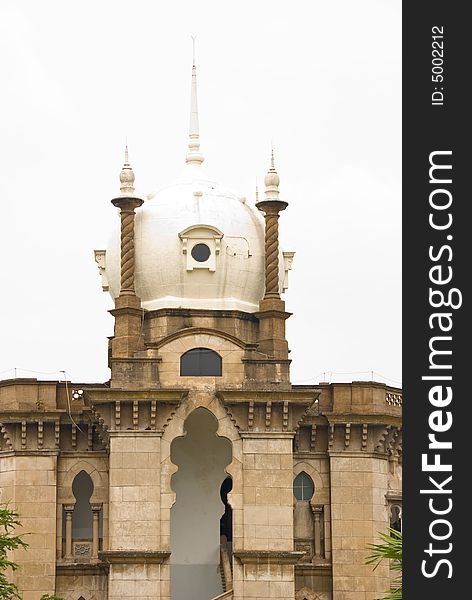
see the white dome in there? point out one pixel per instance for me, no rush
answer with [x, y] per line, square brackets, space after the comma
[195, 210]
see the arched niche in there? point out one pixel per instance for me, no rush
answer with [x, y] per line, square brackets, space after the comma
[100, 485]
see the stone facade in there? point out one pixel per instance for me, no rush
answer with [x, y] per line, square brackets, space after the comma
[345, 437]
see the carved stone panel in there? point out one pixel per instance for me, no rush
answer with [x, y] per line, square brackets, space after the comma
[307, 594]
[82, 550]
[305, 546]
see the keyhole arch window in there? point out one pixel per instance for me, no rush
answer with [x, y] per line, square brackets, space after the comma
[396, 517]
[201, 362]
[82, 519]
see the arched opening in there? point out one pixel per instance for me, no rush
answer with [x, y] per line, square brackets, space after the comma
[201, 457]
[200, 362]
[226, 521]
[396, 517]
[82, 518]
[82, 522]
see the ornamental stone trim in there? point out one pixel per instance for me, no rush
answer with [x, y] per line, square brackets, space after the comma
[268, 556]
[134, 556]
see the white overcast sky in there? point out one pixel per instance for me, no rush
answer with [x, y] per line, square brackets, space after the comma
[321, 80]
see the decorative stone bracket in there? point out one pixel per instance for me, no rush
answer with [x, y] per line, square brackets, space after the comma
[100, 259]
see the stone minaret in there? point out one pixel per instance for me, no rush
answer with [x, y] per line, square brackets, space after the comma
[272, 313]
[127, 311]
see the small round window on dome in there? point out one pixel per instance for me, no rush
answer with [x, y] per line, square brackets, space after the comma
[201, 252]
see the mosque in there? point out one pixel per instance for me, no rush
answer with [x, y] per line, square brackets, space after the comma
[199, 471]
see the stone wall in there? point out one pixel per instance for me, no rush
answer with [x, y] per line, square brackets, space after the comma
[358, 513]
[31, 491]
[134, 514]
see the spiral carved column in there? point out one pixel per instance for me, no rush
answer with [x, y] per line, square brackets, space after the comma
[271, 256]
[127, 250]
[127, 312]
[127, 214]
[271, 339]
[271, 209]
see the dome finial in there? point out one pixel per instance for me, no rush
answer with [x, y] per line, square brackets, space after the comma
[127, 176]
[193, 155]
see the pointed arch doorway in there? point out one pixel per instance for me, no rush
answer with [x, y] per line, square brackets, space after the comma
[201, 457]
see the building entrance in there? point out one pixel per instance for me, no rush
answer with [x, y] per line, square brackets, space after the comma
[201, 500]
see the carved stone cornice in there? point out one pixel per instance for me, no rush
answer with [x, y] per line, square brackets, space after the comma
[201, 312]
[16, 416]
[320, 567]
[269, 435]
[302, 397]
[148, 410]
[268, 409]
[134, 556]
[279, 557]
[164, 396]
[46, 432]
[78, 569]
[201, 330]
[359, 419]
[135, 433]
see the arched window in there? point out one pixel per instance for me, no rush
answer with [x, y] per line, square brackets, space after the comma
[82, 488]
[303, 487]
[200, 362]
[396, 517]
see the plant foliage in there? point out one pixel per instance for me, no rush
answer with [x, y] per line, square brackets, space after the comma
[390, 549]
[8, 541]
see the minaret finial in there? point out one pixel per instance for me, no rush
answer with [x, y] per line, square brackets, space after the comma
[272, 180]
[193, 154]
[127, 176]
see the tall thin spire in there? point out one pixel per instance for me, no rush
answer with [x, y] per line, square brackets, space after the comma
[272, 180]
[193, 155]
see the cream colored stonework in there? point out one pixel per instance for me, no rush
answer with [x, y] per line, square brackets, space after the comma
[280, 546]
